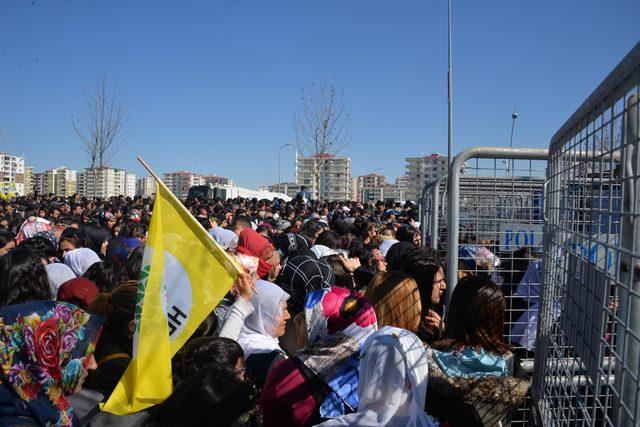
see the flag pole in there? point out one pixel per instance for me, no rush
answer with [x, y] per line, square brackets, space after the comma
[186, 211]
[151, 171]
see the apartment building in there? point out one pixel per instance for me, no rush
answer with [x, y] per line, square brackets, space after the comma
[146, 187]
[60, 181]
[180, 182]
[106, 182]
[29, 180]
[335, 176]
[421, 170]
[291, 189]
[12, 174]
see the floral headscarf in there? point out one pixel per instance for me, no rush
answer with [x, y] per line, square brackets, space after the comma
[338, 322]
[43, 346]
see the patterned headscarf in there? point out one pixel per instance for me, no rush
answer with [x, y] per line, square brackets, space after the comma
[32, 226]
[302, 274]
[338, 322]
[478, 258]
[290, 244]
[104, 217]
[51, 238]
[249, 263]
[43, 346]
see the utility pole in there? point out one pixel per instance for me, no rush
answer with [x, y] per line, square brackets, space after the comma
[450, 90]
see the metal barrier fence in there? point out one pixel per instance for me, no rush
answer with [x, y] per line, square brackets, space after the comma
[587, 364]
[493, 201]
[431, 213]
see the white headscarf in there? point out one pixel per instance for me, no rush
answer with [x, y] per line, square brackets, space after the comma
[386, 245]
[58, 274]
[393, 382]
[322, 251]
[79, 260]
[225, 238]
[256, 335]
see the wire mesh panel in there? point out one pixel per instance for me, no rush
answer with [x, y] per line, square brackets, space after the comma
[588, 348]
[495, 227]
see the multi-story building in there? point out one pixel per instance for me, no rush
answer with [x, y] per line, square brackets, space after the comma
[181, 181]
[38, 182]
[146, 187]
[370, 186]
[421, 170]
[217, 180]
[388, 192]
[335, 181]
[29, 180]
[129, 185]
[400, 192]
[12, 174]
[59, 181]
[402, 182]
[291, 189]
[106, 182]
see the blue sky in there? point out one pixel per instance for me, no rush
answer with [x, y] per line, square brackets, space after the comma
[212, 85]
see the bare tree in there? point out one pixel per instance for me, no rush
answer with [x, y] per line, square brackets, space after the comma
[322, 126]
[105, 126]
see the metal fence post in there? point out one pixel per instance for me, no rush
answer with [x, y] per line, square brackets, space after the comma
[435, 211]
[629, 306]
[423, 213]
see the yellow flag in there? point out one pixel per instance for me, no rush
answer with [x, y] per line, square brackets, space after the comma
[184, 276]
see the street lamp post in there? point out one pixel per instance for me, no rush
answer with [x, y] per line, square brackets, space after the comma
[514, 116]
[279, 151]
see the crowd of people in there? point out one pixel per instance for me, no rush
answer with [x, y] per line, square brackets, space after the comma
[337, 319]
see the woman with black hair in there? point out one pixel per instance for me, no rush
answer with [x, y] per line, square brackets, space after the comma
[368, 231]
[209, 398]
[42, 245]
[70, 239]
[133, 264]
[362, 251]
[23, 278]
[216, 354]
[427, 271]
[115, 349]
[95, 239]
[7, 242]
[105, 275]
[330, 239]
[471, 369]
[409, 234]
